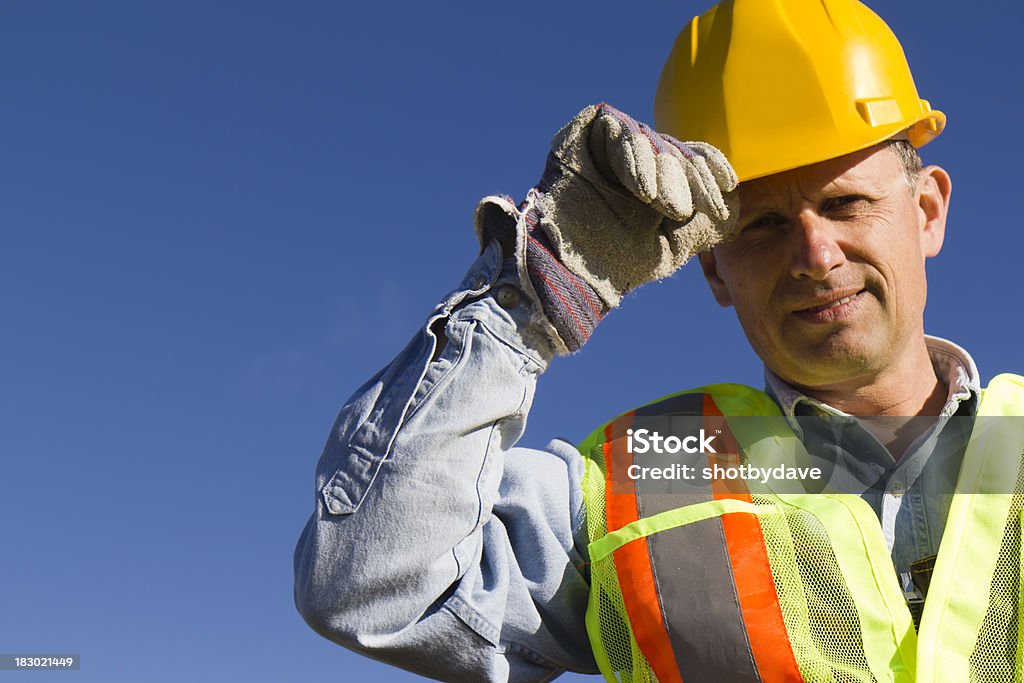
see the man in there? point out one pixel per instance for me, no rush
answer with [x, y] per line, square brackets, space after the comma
[439, 545]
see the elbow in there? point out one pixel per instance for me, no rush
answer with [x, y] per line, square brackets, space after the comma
[344, 621]
[324, 604]
[330, 620]
[335, 596]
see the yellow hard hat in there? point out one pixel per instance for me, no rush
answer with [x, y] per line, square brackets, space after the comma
[778, 84]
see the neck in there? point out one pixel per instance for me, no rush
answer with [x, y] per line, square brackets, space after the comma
[887, 400]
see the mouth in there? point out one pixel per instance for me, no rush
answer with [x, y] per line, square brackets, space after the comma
[834, 309]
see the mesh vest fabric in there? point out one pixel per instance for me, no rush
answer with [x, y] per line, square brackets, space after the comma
[833, 610]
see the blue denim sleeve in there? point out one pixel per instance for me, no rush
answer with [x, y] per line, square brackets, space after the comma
[436, 544]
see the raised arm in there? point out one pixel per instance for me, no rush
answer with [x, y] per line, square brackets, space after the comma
[436, 544]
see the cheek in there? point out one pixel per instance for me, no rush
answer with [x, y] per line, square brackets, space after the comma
[746, 296]
[751, 300]
[748, 279]
[903, 270]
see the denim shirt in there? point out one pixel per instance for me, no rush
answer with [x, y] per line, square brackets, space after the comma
[440, 546]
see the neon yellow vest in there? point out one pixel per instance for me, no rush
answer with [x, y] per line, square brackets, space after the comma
[763, 586]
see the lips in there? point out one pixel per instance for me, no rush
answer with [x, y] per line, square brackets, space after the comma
[831, 307]
[829, 300]
[834, 304]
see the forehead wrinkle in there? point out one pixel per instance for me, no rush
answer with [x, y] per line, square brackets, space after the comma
[869, 177]
[860, 172]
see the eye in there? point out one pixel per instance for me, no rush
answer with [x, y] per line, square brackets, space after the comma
[768, 220]
[843, 203]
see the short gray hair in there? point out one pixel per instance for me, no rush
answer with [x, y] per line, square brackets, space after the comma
[909, 159]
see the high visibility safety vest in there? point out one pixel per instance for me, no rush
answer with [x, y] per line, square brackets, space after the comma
[725, 583]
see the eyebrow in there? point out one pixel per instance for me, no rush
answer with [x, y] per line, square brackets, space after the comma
[835, 188]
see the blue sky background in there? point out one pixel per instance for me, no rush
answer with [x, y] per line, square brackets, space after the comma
[218, 218]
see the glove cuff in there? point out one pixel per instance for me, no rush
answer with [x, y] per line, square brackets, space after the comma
[570, 304]
[566, 307]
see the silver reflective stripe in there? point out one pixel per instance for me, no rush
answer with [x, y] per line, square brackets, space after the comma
[691, 567]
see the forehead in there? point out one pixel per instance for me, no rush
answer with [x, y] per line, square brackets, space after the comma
[875, 172]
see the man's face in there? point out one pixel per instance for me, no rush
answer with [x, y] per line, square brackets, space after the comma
[826, 270]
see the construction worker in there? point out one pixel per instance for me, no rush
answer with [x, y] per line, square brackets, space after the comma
[439, 545]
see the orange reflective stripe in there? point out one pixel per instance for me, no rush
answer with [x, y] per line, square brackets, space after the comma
[633, 561]
[752, 574]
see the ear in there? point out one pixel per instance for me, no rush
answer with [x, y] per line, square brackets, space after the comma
[933, 192]
[709, 264]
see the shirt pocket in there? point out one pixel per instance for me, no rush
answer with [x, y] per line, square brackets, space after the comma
[368, 425]
[366, 429]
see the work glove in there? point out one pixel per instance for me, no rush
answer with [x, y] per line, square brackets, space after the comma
[618, 205]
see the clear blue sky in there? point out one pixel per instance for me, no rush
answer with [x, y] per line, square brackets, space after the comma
[219, 218]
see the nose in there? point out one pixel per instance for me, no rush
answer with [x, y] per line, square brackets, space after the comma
[815, 251]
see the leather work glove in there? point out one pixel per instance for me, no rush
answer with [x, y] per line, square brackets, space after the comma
[619, 205]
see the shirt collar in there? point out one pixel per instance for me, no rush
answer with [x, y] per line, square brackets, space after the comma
[951, 362]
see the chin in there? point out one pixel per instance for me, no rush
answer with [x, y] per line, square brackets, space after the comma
[837, 358]
[837, 366]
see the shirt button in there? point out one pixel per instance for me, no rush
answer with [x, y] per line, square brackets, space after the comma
[897, 488]
[507, 296]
